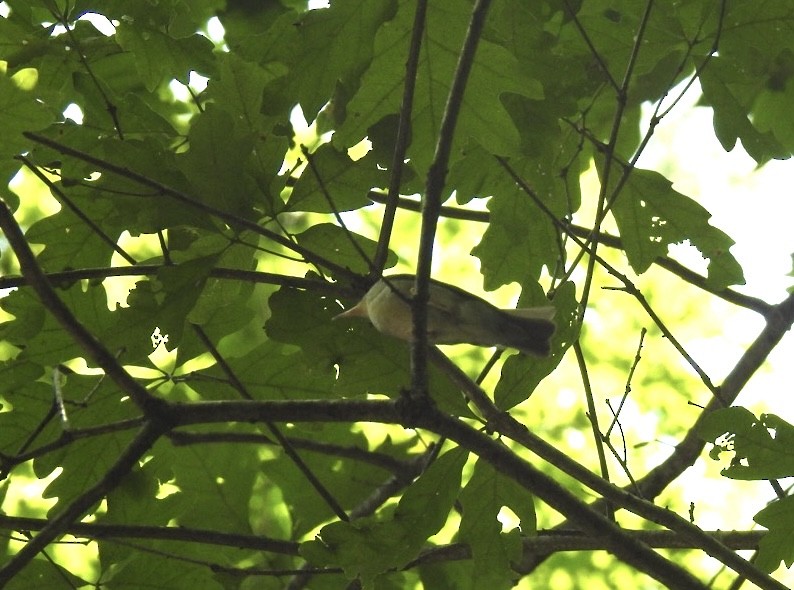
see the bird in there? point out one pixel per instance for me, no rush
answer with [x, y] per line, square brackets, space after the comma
[454, 316]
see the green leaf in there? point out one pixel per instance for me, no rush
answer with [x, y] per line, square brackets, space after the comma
[239, 88]
[88, 401]
[160, 303]
[335, 46]
[348, 479]
[215, 163]
[483, 117]
[775, 546]
[367, 547]
[521, 374]
[335, 245]
[269, 373]
[651, 216]
[155, 568]
[215, 483]
[721, 84]
[84, 463]
[41, 573]
[772, 109]
[31, 402]
[71, 243]
[160, 57]
[43, 340]
[746, 82]
[517, 242]
[762, 446]
[135, 501]
[492, 551]
[342, 182]
[20, 111]
[239, 91]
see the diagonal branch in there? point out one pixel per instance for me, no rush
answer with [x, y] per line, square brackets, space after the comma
[505, 424]
[401, 142]
[686, 452]
[35, 277]
[126, 462]
[283, 441]
[231, 219]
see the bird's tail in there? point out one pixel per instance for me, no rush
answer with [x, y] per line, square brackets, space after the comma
[528, 330]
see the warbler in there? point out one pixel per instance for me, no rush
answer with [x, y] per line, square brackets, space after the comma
[454, 316]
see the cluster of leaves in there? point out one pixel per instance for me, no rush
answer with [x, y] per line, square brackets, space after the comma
[184, 188]
[761, 450]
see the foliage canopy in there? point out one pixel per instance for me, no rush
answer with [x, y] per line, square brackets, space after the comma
[176, 247]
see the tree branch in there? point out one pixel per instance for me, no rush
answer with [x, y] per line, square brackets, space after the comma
[96, 530]
[231, 219]
[151, 406]
[434, 186]
[401, 142]
[606, 239]
[126, 462]
[500, 456]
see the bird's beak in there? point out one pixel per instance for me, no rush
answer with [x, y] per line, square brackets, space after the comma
[359, 310]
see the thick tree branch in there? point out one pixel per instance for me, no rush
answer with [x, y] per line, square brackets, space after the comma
[500, 456]
[544, 543]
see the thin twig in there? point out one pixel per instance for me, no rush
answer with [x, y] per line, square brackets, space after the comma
[592, 414]
[571, 13]
[112, 109]
[283, 441]
[67, 438]
[605, 200]
[324, 190]
[151, 406]
[354, 453]
[627, 389]
[231, 219]
[401, 142]
[61, 196]
[630, 288]
[95, 530]
[690, 447]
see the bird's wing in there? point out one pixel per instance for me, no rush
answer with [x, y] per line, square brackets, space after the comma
[546, 312]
